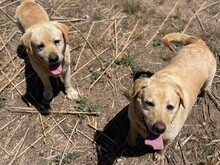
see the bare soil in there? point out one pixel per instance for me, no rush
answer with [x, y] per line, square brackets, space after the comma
[126, 35]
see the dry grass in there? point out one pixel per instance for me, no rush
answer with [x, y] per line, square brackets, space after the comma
[110, 40]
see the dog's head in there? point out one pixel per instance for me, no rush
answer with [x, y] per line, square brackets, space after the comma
[158, 102]
[46, 43]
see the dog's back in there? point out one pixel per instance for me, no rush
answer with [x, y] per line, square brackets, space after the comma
[29, 13]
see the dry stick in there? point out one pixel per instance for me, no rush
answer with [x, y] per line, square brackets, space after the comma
[8, 4]
[21, 82]
[7, 51]
[85, 135]
[22, 142]
[183, 157]
[12, 78]
[83, 46]
[126, 45]
[8, 124]
[155, 34]
[11, 83]
[211, 96]
[113, 18]
[62, 131]
[196, 13]
[13, 132]
[215, 3]
[8, 15]
[28, 148]
[58, 8]
[5, 150]
[200, 22]
[54, 112]
[88, 62]
[93, 50]
[67, 143]
[8, 40]
[42, 126]
[116, 40]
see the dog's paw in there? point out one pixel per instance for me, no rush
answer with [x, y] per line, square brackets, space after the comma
[71, 93]
[48, 95]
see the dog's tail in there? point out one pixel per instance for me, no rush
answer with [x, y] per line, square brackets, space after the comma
[180, 39]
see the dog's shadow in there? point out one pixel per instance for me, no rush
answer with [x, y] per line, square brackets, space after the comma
[111, 142]
[34, 86]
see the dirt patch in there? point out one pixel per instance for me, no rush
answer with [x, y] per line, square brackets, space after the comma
[126, 35]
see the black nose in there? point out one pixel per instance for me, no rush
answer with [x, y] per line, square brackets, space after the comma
[159, 127]
[53, 58]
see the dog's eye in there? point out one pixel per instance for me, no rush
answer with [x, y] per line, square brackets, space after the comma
[56, 42]
[170, 107]
[149, 103]
[40, 46]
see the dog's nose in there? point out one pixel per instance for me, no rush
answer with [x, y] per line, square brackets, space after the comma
[53, 58]
[159, 127]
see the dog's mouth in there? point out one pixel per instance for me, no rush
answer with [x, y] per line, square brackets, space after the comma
[154, 140]
[56, 68]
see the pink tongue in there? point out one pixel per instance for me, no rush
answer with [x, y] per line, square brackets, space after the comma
[56, 69]
[154, 141]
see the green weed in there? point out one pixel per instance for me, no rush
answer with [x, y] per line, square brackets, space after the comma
[131, 6]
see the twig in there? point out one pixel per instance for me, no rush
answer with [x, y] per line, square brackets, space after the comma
[126, 45]
[42, 126]
[183, 157]
[22, 142]
[58, 8]
[85, 135]
[53, 112]
[215, 3]
[162, 24]
[11, 83]
[9, 39]
[196, 13]
[28, 148]
[211, 96]
[8, 124]
[5, 150]
[6, 14]
[62, 131]
[88, 62]
[84, 46]
[93, 50]
[67, 143]
[200, 22]
[7, 51]
[12, 78]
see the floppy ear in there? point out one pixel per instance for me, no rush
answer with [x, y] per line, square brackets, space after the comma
[138, 85]
[178, 89]
[65, 31]
[25, 39]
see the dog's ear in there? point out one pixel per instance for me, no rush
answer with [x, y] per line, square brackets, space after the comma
[179, 90]
[138, 85]
[25, 39]
[65, 31]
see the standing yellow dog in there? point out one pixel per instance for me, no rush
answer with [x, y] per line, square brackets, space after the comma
[47, 45]
[160, 104]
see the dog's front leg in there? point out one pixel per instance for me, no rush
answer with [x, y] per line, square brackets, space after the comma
[70, 92]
